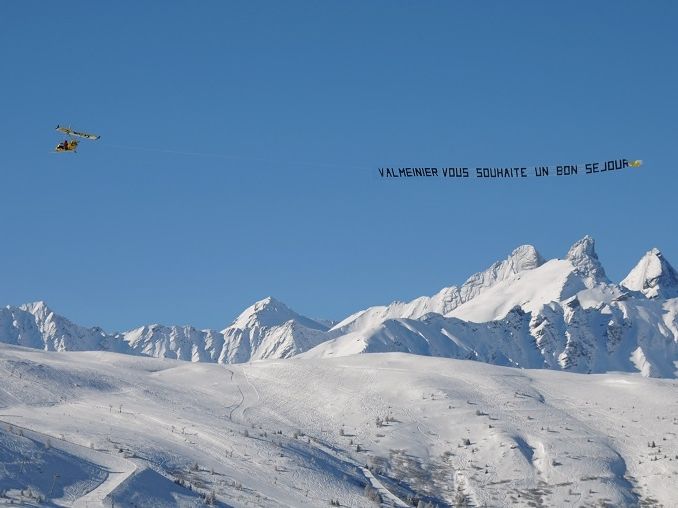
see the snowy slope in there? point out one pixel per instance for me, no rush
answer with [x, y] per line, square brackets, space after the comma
[522, 259]
[307, 432]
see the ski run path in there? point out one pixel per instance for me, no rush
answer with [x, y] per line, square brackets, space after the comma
[96, 429]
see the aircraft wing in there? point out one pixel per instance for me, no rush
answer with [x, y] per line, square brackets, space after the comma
[71, 132]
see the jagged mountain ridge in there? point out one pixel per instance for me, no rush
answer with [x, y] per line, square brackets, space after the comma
[561, 314]
[267, 329]
[447, 299]
[523, 311]
[35, 325]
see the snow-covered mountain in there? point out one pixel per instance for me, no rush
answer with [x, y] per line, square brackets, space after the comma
[447, 299]
[35, 325]
[522, 312]
[267, 329]
[653, 276]
[179, 342]
[560, 314]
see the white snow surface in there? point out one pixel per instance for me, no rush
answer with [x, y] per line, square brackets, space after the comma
[530, 290]
[138, 431]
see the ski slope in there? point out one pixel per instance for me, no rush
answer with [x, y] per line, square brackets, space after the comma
[306, 432]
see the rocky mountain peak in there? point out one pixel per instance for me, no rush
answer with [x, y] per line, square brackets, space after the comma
[653, 276]
[583, 256]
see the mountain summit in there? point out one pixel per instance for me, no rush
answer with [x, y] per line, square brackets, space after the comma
[270, 312]
[653, 276]
[584, 258]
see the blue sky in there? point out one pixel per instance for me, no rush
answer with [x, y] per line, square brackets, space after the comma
[301, 102]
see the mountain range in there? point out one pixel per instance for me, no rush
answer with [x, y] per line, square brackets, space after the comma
[523, 311]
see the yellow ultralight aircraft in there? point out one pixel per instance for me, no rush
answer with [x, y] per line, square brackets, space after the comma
[71, 145]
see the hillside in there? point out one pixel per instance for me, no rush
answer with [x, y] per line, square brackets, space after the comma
[301, 432]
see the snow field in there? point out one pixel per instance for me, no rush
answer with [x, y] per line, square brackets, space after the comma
[308, 432]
